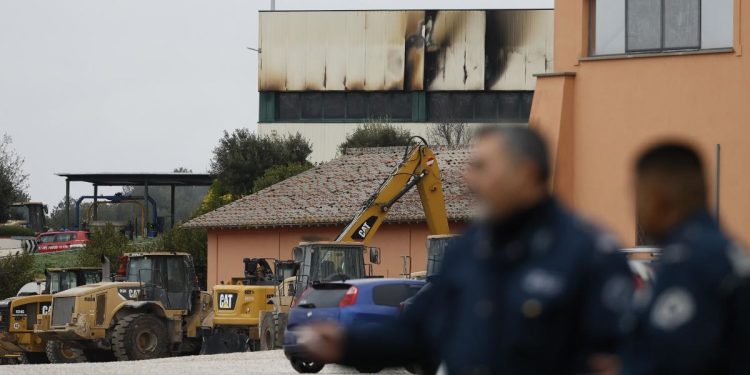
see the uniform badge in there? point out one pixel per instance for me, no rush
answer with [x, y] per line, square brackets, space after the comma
[672, 308]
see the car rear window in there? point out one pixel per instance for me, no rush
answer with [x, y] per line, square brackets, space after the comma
[393, 294]
[323, 296]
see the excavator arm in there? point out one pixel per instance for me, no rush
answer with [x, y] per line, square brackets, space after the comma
[419, 168]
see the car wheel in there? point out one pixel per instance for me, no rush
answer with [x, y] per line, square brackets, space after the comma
[369, 369]
[306, 367]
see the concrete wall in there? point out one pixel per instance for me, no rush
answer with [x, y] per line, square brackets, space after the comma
[326, 137]
[227, 248]
[620, 105]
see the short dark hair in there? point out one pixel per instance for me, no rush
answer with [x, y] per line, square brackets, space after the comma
[524, 143]
[680, 167]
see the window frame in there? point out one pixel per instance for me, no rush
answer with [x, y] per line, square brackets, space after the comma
[662, 33]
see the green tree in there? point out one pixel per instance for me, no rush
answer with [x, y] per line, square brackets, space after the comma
[13, 180]
[243, 156]
[15, 271]
[106, 241]
[191, 241]
[279, 173]
[377, 132]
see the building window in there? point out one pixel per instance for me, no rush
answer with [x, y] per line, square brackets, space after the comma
[638, 26]
[482, 106]
[357, 106]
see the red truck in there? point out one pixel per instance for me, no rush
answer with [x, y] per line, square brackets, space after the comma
[50, 242]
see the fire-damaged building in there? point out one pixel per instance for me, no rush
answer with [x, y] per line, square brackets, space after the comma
[323, 73]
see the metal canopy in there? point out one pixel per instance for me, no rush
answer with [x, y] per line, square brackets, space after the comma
[140, 179]
[134, 179]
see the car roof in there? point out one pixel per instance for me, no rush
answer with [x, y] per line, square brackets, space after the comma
[63, 231]
[376, 281]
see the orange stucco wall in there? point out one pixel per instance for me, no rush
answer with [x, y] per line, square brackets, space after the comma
[618, 106]
[227, 248]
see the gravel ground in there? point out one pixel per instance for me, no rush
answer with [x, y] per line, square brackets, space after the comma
[270, 362]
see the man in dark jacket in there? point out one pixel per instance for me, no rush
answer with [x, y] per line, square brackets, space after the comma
[694, 319]
[530, 289]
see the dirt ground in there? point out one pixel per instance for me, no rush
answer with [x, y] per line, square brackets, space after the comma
[270, 362]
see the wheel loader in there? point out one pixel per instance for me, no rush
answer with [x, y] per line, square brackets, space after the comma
[20, 315]
[155, 311]
[232, 326]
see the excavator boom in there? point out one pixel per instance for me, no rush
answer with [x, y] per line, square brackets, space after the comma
[419, 168]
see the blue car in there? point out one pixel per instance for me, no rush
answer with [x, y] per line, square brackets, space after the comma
[350, 303]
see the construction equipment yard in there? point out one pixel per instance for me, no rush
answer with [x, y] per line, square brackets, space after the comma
[266, 362]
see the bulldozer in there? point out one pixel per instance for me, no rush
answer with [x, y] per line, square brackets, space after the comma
[154, 310]
[19, 317]
[341, 259]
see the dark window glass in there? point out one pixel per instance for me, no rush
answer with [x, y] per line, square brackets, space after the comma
[644, 25]
[312, 105]
[393, 295]
[378, 105]
[463, 106]
[486, 106]
[322, 296]
[400, 107]
[356, 105]
[289, 106]
[439, 106]
[334, 105]
[526, 100]
[510, 105]
[682, 20]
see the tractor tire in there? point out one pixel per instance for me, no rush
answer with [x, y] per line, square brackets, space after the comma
[33, 358]
[267, 332]
[306, 367]
[58, 352]
[282, 320]
[140, 336]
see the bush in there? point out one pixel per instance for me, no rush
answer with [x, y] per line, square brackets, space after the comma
[15, 271]
[376, 133]
[14, 230]
[279, 173]
[104, 241]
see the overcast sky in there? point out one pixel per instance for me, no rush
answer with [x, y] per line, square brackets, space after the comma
[138, 85]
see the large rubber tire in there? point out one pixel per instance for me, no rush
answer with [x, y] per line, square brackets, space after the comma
[58, 352]
[306, 367]
[267, 331]
[33, 358]
[140, 336]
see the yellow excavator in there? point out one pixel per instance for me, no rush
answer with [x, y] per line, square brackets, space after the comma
[248, 325]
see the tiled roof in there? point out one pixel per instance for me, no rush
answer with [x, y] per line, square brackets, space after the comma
[331, 193]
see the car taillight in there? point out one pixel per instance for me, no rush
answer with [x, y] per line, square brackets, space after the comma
[350, 297]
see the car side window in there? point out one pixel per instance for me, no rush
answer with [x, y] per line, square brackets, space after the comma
[393, 294]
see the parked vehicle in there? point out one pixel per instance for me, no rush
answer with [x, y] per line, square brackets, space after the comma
[50, 242]
[350, 302]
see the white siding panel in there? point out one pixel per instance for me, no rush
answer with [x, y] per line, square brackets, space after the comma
[296, 26]
[355, 51]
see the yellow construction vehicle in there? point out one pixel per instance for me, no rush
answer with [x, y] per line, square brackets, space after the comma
[19, 316]
[341, 259]
[154, 312]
